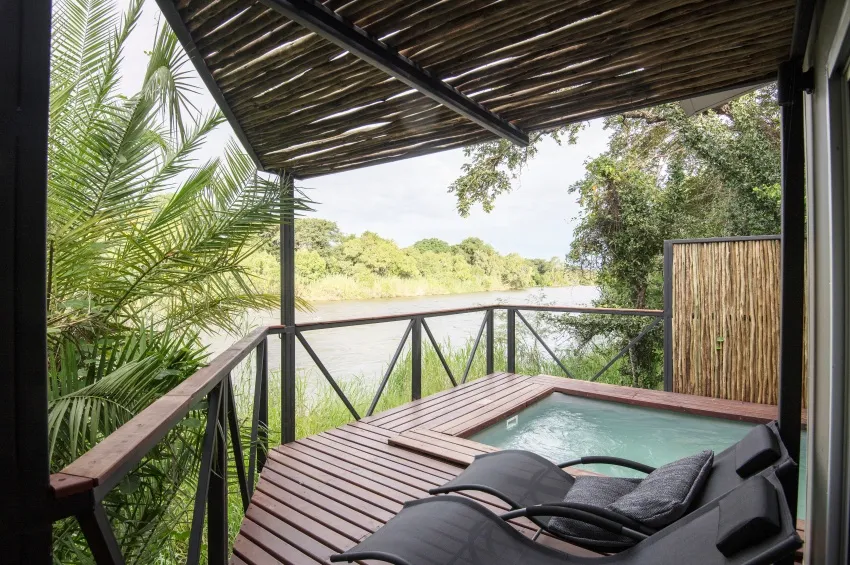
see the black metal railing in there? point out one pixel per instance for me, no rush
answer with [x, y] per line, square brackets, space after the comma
[80, 488]
[417, 322]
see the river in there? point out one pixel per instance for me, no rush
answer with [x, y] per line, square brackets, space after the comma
[366, 350]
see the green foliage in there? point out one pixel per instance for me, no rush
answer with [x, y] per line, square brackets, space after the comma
[433, 244]
[517, 272]
[494, 167]
[370, 253]
[622, 227]
[665, 176]
[310, 265]
[330, 265]
[314, 234]
[479, 254]
[146, 249]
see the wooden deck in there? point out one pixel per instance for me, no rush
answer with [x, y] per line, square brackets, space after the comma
[322, 494]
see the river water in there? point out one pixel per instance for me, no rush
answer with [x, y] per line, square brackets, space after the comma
[366, 350]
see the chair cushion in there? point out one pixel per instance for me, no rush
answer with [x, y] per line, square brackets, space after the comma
[666, 494]
[598, 491]
[748, 516]
[757, 451]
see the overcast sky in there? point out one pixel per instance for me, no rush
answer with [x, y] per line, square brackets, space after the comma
[408, 200]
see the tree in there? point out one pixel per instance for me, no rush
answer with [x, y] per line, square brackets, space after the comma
[310, 265]
[665, 175]
[622, 227]
[145, 251]
[726, 160]
[479, 254]
[314, 234]
[379, 256]
[495, 165]
[432, 244]
[517, 273]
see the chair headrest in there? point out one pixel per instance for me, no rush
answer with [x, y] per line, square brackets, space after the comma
[748, 516]
[757, 451]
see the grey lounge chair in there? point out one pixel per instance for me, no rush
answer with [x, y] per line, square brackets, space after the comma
[749, 526]
[524, 479]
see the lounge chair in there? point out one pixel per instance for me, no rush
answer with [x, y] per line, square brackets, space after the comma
[522, 479]
[749, 526]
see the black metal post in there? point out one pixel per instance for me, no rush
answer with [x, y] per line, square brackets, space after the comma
[491, 323]
[217, 539]
[668, 316]
[214, 407]
[25, 526]
[790, 95]
[511, 340]
[236, 442]
[475, 345]
[324, 370]
[287, 309]
[263, 420]
[439, 353]
[389, 370]
[100, 536]
[254, 445]
[416, 359]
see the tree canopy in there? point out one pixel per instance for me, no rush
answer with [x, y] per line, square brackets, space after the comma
[665, 175]
[323, 252]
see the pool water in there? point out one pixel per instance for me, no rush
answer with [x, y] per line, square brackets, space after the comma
[562, 427]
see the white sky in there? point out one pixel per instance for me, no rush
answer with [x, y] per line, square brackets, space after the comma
[408, 200]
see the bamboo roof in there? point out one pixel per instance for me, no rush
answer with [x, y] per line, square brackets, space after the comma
[303, 104]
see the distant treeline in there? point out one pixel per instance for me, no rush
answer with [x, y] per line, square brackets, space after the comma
[332, 265]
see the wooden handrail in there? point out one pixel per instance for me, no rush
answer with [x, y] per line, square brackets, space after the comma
[106, 464]
[345, 322]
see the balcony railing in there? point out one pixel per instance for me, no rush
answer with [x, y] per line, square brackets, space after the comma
[80, 488]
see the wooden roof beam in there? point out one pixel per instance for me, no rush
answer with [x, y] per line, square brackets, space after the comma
[331, 26]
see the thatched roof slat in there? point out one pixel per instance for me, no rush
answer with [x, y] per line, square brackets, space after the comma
[306, 106]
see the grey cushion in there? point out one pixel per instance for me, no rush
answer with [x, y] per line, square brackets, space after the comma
[666, 494]
[597, 491]
[748, 516]
[757, 451]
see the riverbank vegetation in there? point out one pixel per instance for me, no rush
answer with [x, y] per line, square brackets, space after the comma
[331, 265]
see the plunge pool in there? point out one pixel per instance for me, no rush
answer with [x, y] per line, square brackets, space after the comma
[561, 427]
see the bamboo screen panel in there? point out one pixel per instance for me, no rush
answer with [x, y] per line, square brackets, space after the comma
[725, 320]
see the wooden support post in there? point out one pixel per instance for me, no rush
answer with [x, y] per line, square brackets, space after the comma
[25, 526]
[790, 94]
[287, 309]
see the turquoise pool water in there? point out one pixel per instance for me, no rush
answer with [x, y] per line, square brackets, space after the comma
[562, 427]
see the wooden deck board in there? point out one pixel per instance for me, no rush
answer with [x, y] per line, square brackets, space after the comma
[322, 494]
